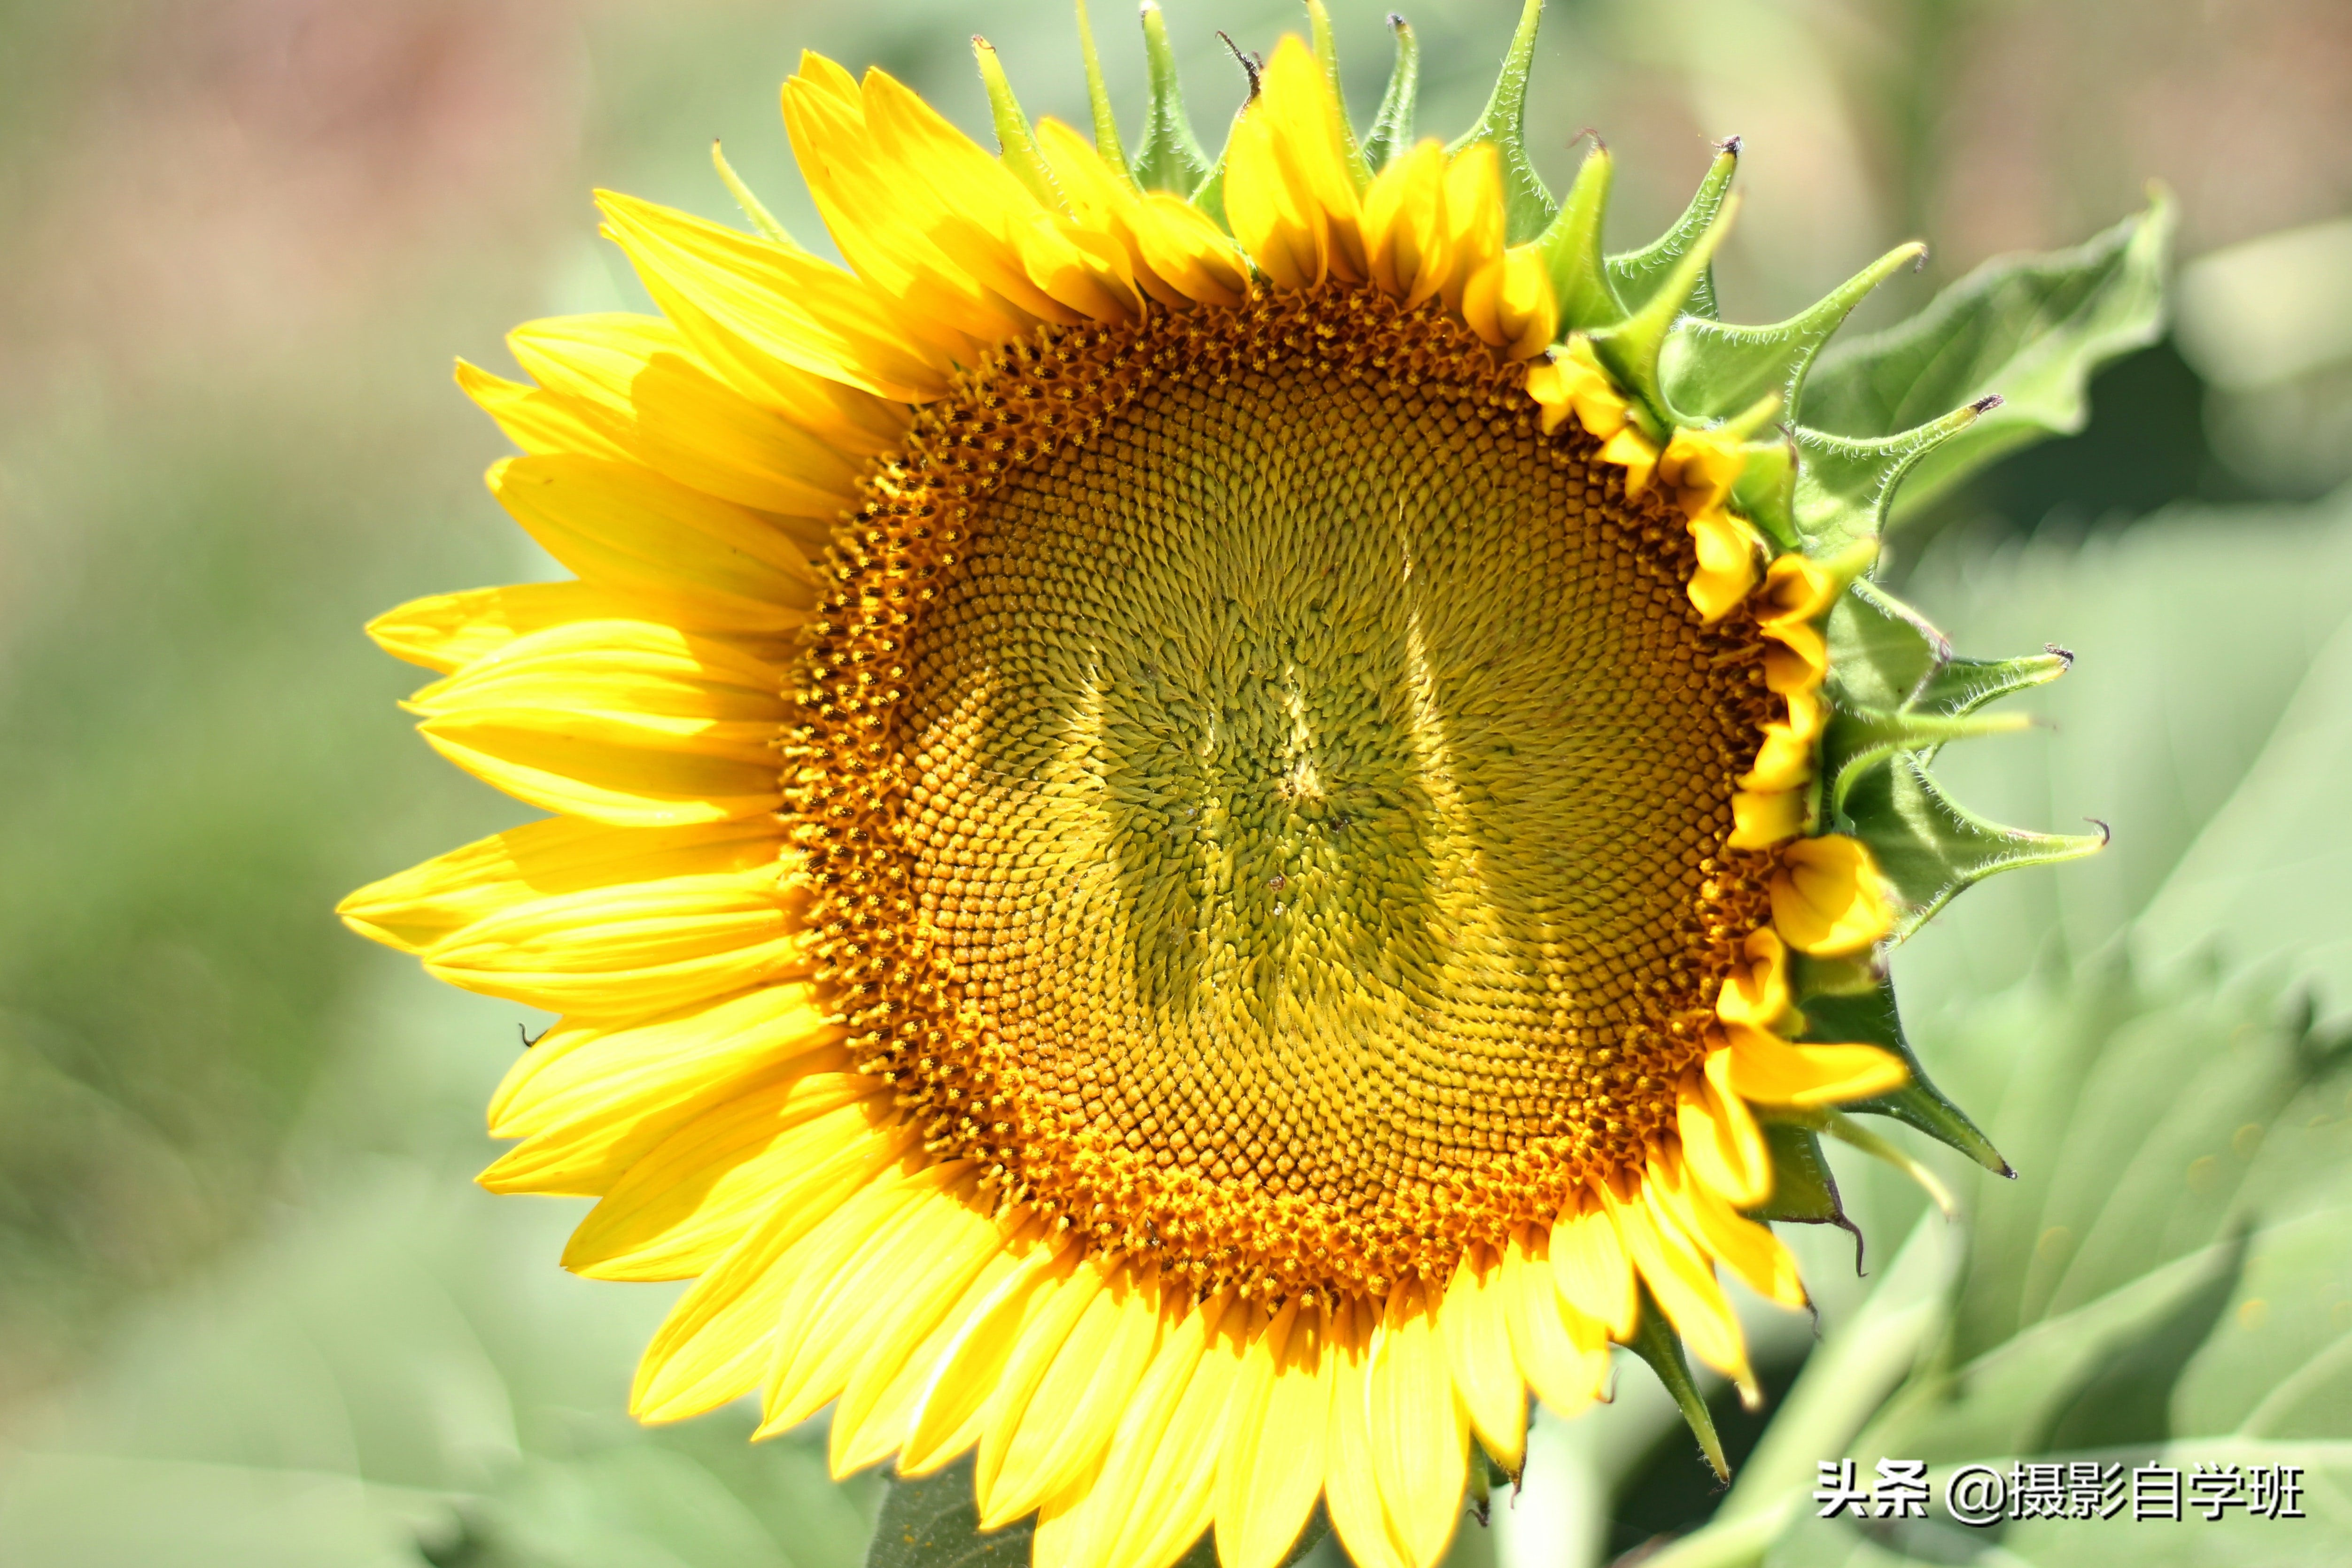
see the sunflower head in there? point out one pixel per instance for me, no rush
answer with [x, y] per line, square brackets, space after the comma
[1208, 817]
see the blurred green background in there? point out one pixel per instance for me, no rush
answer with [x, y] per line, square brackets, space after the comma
[251, 1310]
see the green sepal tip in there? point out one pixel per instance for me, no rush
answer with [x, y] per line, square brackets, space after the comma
[1656, 1342]
[1170, 158]
[1846, 485]
[1638, 274]
[1631, 347]
[1393, 126]
[1929, 846]
[754, 210]
[1884, 656]
[1859, 740]
[1850, 1002]
[1580, 282]
[1527, 206]
[1108, 144]
[1326, 55]
[1804, 1189]
[1709, 368]
[1013, 138]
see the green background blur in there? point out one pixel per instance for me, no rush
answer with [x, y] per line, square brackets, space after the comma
[251, 1310]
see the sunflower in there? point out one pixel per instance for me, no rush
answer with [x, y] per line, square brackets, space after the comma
[1191, 840]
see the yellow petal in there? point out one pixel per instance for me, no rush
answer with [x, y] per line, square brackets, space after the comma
[1631, 451]
[627, 529]
[634, 948]
[1474, 218]
[423, 904]
[630, 723]
[1174, 1492]
[1478, 1349]
[1045, 1327]
[747, 304]
[1727, 562]
[539, 421]
[1768, 1071]
[1271, 1469]
[1359, 1518]
[989, 221]
[1785, 760]
[1566, 1368]
[1749, 1249]
[449, 631]
[946, 1418]
[1701, 466]
[1070, 1416]
[1289, 193]
[1756, 989]
[1508, 302]
[1571, 381]
[808, 1142]
[1760, 821]
[697, 432]
[590, 1099]
[1407, 244]
[1828, 898]
[1420, 1439]
[887, 218]
[1797, 592]
[1180, 254]
[877, 1408]
[1284, 233]
[603, 360]
[1682, 1281]
[916, 1260]
[607, 1070]
[1593, 1269]
[1076, 1529]
[1720, 1138]
[715, 1345]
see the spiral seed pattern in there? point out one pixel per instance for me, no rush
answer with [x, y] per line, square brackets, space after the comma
[1268, 798]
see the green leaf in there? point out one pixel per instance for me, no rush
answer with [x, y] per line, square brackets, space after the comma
[933, 1523]
[2029, 329]
[1631, 347]
[2207, 715]
[2162, 1282]
[1108, 144]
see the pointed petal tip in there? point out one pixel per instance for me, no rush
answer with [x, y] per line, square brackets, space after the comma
[2106, 833]
[2064, 653]
[1986, 403]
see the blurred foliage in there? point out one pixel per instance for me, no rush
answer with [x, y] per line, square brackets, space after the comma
[252, 1312]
